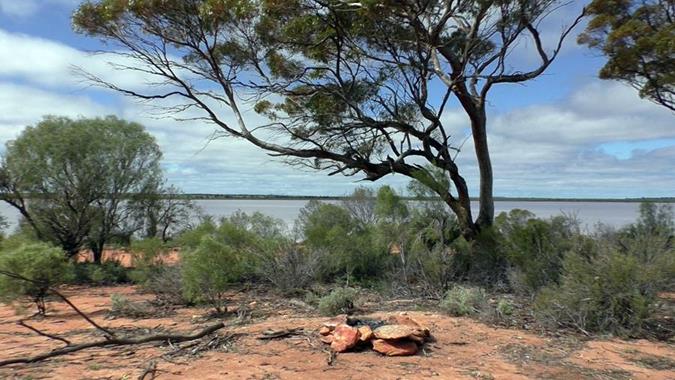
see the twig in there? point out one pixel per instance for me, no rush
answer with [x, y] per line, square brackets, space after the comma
[271, 334]
[42, 333]
[150, 370]
[113, 342]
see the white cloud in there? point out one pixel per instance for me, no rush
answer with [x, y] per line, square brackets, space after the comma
[23, 8]
[50, 63]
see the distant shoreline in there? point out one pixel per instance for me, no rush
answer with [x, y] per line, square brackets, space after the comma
[502, 199]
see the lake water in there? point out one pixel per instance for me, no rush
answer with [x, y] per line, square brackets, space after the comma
[589, 213]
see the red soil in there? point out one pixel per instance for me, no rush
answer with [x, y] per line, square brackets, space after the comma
[463, 348]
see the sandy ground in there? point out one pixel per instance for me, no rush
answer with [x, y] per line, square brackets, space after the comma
[463, 348]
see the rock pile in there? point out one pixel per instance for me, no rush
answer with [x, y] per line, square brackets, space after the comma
[399, 335]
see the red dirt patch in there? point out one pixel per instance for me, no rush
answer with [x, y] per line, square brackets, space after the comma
[463, 348]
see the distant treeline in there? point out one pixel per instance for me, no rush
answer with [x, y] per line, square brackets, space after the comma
[202, 196]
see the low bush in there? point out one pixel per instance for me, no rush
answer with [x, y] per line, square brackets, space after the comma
[535, 248]
[338, 301]
[166, 284]
[290, 268]
[120, 306]
[612, 292]
[463, 300]
[209, 271]
[106, 273]
[45, 265]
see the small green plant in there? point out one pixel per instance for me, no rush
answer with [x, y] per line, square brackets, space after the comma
[339, 301]
[44, 265]
[504, 308]
[463, 300]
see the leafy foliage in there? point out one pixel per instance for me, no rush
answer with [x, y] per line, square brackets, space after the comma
[460, 301]
[338, 301]
[345, 86]
[637, 38]
[79, 174]
[41, 263]
[209, 271]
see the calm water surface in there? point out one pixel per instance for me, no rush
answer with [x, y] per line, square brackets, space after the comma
[589, 213]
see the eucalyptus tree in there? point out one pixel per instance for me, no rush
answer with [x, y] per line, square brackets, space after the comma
[352, 88]
[638, 39]
[72, 179]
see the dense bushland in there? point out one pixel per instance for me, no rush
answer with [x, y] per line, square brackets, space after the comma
[605, 281]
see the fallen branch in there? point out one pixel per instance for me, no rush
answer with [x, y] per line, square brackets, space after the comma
[42, 333]
[109, 334]
[113, 342]
[272, 334]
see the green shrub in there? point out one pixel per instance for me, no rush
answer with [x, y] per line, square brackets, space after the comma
[146, 255]
[504, 308]
[612, 292]
[106, 273]
[535, 248]
[352, 249]
[42, 263]
[462, 300]
[209, 271]
[339, 301]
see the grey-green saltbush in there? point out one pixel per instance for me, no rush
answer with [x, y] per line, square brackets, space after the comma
[339, 301]
[461, 300]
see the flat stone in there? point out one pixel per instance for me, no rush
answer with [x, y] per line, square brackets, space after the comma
[407, 321]
[344, 338]
[325, 330]
[395, 347]
[334, 322]
[365, 333]
[328, 339]
[393, 332]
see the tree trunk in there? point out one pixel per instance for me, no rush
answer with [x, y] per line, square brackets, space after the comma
[486, 209]
[97, 251]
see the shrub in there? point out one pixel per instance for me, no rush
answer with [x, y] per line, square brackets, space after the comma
[339, 301]
[504, 308]
[146, 254]
[290, 267]
[535, 248]
[461, 300]
[612, 292]
[166, 284]
[121, 306]
[106, 273]
[45, 265]
[352, 249]
[209, 271]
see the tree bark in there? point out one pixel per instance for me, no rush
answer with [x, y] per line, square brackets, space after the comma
[486, 206]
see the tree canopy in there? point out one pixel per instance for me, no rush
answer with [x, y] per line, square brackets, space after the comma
[638, 38]
[72, 179]
[346, 87]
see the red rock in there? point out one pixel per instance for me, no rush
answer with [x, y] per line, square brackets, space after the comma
[344, 338]
[334, 322]
[393, 332]
[407, 321]
[325, 330]
[328, 339]
[365, 333]
[395, 347]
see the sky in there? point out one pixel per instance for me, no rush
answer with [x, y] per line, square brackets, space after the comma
[567, 134]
